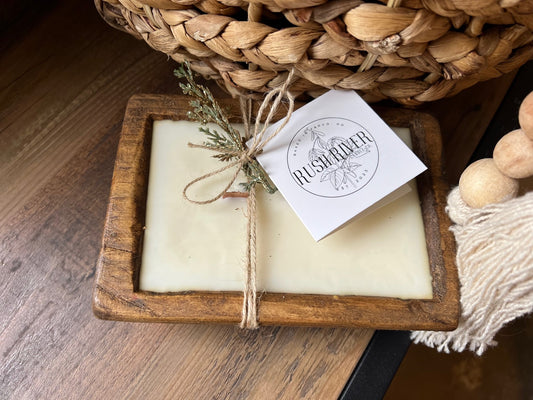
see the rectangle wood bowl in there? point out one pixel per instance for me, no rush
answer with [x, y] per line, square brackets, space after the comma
[116, 293]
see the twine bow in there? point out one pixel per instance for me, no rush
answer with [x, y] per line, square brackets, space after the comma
[246, 157]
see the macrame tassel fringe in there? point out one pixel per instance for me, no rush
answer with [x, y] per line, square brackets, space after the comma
[495, 265]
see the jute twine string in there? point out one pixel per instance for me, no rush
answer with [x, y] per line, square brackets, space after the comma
[259, 140]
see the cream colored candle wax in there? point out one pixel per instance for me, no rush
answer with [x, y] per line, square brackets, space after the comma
[201, 247]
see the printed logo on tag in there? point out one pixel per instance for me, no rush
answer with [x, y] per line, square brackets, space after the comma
[332, 157]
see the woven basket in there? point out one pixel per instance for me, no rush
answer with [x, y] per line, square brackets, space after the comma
[412, 51]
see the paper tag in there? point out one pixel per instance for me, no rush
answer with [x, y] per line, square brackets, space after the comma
[334, 159]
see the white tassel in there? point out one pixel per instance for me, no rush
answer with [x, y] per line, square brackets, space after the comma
[495, 266]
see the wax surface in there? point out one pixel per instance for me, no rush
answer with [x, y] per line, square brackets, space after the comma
[201, 247]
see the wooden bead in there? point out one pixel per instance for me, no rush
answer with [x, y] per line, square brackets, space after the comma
[482, 183]
[513, 155]
[525, 115]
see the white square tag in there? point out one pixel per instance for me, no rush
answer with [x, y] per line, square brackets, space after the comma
[334, 159]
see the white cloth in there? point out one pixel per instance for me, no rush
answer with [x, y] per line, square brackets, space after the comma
[495, 266]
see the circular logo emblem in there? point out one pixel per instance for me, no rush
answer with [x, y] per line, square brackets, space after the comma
[332, 157]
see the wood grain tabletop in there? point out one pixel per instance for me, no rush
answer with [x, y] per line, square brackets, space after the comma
[64, 83]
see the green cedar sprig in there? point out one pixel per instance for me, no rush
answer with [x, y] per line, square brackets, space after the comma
[229, 143]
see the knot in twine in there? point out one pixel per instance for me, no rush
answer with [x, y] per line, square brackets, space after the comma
[495, 266]
[258, 141]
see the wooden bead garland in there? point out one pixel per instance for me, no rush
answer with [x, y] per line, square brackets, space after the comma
[525, 115]
[493, 180]
[513, 155]
[482, 183]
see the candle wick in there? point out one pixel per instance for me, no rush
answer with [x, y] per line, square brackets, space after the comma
[235, 194]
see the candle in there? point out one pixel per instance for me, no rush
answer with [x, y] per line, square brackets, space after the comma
[201, 247]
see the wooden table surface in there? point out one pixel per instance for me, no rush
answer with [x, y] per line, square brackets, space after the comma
[64, 83]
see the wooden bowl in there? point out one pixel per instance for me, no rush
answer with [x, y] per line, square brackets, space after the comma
[116, 293]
